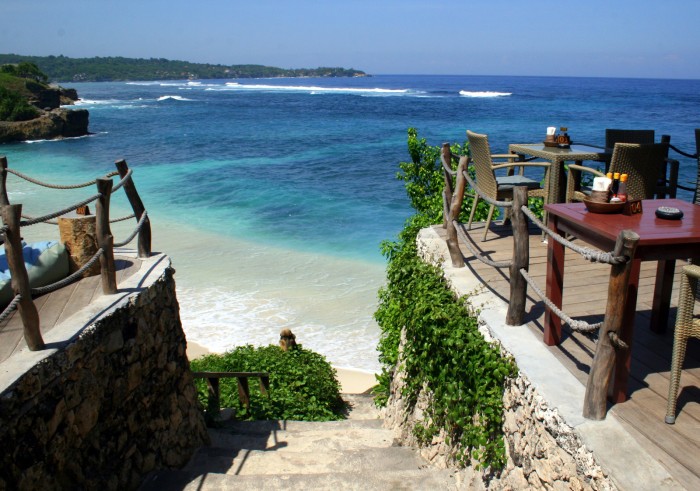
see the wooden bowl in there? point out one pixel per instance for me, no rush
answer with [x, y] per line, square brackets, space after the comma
[597, 207]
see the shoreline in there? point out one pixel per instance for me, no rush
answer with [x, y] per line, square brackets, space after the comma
[351, 381]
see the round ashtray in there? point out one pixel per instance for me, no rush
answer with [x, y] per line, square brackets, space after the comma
[669, 213]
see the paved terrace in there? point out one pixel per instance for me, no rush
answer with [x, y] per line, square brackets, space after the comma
[633, 443]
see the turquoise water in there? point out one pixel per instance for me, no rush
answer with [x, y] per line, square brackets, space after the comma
[271, 196]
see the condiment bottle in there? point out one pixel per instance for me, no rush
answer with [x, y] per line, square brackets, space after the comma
[615, 184]
[622, 188]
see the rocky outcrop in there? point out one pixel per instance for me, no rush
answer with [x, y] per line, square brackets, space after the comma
[50, 125]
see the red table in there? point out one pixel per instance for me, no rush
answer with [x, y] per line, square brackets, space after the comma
[659, 240]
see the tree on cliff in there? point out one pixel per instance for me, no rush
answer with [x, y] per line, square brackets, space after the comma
[26, 70]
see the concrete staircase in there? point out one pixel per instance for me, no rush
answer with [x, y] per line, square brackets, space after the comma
[356, 453]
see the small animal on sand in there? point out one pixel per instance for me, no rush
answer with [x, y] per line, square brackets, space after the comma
[287, 340]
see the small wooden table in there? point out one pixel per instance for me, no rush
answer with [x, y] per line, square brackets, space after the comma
[558, 156]
[659, 240]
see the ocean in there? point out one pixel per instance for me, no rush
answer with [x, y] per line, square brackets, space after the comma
[272, 196]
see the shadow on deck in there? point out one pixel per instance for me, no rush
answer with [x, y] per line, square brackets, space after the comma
[677, 446]
[55, 307]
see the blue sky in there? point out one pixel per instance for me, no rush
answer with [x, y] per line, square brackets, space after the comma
[608, 38]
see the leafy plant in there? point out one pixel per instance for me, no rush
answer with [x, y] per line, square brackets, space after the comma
[14, 107]
[444, 351]
[303, 385]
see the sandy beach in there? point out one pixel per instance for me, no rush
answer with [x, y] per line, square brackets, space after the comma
[351, 381]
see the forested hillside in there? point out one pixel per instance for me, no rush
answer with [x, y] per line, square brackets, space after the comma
[102, 69]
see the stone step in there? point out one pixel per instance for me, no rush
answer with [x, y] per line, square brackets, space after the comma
[361, 407]
[317, 438]
[252, 462]
[269, 426]
[432, 479]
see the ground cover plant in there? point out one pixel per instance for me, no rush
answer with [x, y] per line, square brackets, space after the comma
[303, 385]
[443, 349]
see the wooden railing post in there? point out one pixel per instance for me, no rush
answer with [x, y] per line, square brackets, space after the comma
[595, 404]
[448, 190]
[455, 208]
[105, 240]
[11, 215]
[144, 239]
[4, 200]
[521, 258]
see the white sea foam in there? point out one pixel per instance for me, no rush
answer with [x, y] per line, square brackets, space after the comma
[173, 97]
[93, 102]
[486, 93]
[313, 89]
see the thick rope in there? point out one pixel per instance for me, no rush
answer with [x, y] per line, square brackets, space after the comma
[133, 234]
[58, 186]
[501, 204]
[70, 279]
[29, 217]
[616, 341]
[692, 156]
[10, 308]
[465, 240]
[580, 326]
[121, 183]
[589, 254]
[57, 214]
[121, 219]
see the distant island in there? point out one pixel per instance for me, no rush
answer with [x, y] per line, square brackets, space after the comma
[107, 69]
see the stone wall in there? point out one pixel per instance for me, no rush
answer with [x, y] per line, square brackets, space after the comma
[542, 451]
[112, 403]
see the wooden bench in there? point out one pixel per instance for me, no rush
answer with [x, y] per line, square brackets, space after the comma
[213, 378]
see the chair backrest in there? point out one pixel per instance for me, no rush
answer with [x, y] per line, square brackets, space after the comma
[642, 164]
[481, 156]
[613, 136]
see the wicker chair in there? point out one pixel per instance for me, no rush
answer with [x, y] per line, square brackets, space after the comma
[686, 327]
[613, 136]
[642, 163]
[499, 188]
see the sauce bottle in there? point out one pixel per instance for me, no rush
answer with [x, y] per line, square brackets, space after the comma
[622, 188]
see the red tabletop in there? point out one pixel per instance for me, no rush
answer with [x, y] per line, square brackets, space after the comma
[659, 239]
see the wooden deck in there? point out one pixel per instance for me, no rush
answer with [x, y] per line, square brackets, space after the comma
[57, 306]
[676, 447]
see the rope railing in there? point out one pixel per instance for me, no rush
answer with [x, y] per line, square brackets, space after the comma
[57, 186]
[69, 279]
[122, 181]
[589, 254]
[58, 213]
[10, 308]
[685, 154]
[465, 240]
[131, 237]
[14, 220]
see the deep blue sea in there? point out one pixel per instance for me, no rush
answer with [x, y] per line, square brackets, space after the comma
[272, 195]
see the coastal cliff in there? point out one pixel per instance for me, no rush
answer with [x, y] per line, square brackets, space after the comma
[52, 124]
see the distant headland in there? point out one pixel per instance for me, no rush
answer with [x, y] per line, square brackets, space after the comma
[107, 69]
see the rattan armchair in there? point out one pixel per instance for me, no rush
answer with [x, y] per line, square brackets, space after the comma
[642, 163]
[686, 327]
[501, 187]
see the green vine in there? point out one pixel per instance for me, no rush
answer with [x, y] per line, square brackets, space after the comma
[444, 350]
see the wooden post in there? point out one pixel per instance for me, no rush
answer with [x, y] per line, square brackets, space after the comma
[105, 240]
[213, 399]
[455, 208]
[595, 404]
[244, 391]
[521, 259]
[11, 215]
[448, 191]
[144, 239]
[4, 200]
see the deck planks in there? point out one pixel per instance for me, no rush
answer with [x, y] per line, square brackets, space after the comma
[585, 296]
[55, 307]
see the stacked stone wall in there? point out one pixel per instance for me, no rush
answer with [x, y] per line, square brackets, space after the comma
[113, 404]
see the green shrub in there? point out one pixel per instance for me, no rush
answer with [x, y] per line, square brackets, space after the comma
[303, 385]
[444, 350]
[14, 107]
